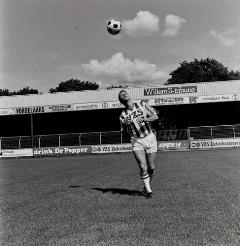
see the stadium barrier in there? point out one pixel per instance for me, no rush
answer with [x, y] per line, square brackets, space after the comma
[83, 139]
[215, 143]
[8, 153]
[203, 137]
[173, 145]
[213, 132]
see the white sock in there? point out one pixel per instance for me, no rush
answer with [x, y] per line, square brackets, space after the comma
[146, 181]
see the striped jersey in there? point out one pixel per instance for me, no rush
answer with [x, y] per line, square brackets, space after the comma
[137, 128]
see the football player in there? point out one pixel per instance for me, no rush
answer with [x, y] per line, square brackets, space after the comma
[136, 118]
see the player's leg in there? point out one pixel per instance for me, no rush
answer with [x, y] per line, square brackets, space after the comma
[140, 156]
[151, 164]
[151, 155]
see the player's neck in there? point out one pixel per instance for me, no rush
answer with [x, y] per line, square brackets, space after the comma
[129, 104]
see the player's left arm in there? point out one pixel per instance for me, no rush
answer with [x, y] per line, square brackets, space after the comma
[151, 117]
[151, 113]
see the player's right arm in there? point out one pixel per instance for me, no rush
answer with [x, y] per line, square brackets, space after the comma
[125, 120]
[124, 123]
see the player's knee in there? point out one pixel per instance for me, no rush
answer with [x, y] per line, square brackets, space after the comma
[142, 166]
[151, 172]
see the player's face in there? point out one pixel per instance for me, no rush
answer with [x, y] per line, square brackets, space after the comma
[124, 96]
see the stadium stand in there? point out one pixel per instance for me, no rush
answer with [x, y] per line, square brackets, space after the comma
[196, 111]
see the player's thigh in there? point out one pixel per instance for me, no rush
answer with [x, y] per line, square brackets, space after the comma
[140, 156]
[150, 144]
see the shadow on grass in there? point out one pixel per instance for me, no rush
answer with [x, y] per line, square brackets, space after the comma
[74, 186]
[120, 191]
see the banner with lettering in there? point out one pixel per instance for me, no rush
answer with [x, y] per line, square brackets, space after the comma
[16, 153]
[215, 143]
[67, 150]
[173, 145]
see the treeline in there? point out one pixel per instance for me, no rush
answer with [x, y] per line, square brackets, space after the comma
[69, 85]
[196, 71]
[25, 91]
[204, 70]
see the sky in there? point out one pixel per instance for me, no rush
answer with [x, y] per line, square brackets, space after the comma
[45, 42]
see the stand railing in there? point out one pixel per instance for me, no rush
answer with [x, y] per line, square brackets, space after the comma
[117, 137]
[78, 139]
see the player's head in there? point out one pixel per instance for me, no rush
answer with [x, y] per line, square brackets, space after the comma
[123, 96]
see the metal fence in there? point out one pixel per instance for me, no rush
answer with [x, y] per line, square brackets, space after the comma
[80, 139]
[98, 138]
[213, 132]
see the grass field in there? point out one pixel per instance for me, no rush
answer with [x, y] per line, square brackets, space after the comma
[95, 200]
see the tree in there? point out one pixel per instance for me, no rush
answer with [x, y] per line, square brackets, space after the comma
[117, 86]
[234, 75]
[4, 92]
[25, 91]
[204, 70]
[74, 85]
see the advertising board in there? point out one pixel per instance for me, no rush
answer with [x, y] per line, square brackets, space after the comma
[173, 145]
[16, 152]
[169, 90]
[6, 111]
[171, 101]
[30, 110]
[87, 106]
[59, 108]
[111, 148]
[67, 150]
[106, 105]
[215, 98]
[75, 150]
[215, 143]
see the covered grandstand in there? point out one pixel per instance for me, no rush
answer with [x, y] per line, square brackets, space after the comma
[91, 117]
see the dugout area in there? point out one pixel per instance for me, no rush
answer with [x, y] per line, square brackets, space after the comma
[107, 120]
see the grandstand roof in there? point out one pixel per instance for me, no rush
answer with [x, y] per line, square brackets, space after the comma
[109, 95]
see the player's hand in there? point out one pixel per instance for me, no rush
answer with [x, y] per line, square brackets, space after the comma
[127, 121]
[142, 118]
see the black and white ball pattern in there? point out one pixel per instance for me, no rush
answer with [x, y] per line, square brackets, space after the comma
[114, 26]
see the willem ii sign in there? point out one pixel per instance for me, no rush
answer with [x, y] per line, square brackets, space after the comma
[170, 90]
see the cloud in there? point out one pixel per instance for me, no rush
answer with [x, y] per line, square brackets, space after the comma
[173, 24]
[224, 38]
[121, 70]
[144, 24]
[236, 67]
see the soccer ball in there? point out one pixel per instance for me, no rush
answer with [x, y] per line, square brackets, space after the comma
[114, 26]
